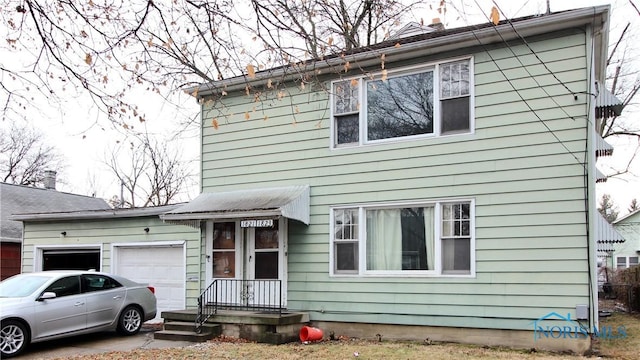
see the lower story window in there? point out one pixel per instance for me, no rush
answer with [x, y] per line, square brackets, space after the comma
[432, 238]
[623, 262]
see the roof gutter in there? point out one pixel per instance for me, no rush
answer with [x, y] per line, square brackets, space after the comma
[597, 16]
[94, 214]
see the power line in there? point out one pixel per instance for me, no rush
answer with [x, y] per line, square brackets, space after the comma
[524, 41]
[486, 50]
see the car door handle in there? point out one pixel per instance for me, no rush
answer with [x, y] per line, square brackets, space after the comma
[79, 303]
[117, 297]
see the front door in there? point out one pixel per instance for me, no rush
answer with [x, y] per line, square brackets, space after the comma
[247, 258]
[264, 259]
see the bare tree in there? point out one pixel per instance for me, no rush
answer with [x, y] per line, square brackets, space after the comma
[149, 173]
[104, 49]
[633, 205]
[607, 208]
[327, 27]
[623, 78]
[129, 175]
[24, 156]
[167, 175]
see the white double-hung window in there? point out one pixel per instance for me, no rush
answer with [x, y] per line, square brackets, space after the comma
[430, 100]
[623, 262]
[406, 239]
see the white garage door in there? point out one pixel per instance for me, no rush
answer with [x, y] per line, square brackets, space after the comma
[159, 266]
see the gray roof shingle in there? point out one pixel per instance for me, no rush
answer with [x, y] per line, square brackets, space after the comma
[18, 199]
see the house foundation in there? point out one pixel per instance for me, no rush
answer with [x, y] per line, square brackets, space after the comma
[519, 339]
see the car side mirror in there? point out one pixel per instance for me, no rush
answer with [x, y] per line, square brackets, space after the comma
[47, 295]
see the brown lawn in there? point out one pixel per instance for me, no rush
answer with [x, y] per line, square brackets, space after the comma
[228, 348]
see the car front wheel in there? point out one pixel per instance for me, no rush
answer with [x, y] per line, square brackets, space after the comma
[130, 321]
[13, 338]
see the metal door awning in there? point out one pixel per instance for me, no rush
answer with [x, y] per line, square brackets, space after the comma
[291, 202]
[606, 236]
[603, 148]
[607, 104]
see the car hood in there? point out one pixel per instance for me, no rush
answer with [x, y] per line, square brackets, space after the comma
[14, 302]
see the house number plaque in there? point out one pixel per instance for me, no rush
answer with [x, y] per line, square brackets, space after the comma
[256, 223]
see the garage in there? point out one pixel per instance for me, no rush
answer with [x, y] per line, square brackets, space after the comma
[161, 266]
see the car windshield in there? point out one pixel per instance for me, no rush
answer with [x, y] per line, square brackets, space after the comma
[21, 285]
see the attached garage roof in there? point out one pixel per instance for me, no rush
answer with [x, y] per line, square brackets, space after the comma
[95, 214]
[291, 202]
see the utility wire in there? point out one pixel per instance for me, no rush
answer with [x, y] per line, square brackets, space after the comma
[522, 98]
[574, 94]
[589, 101]
[524, 41]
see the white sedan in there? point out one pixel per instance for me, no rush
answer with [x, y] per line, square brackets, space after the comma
[53, 304]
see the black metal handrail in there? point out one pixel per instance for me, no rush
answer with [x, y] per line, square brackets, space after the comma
[242, 295]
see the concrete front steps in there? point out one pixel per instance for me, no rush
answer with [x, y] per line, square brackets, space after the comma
[253, 326]
[185, 331]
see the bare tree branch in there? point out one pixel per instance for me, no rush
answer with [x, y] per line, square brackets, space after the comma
[24, 156]
[148, 170]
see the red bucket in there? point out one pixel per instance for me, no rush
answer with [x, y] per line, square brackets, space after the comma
[308, 333]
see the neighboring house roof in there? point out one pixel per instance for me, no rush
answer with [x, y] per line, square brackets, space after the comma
[435, 42]
[96, 214]
[412, 29]
[629, 226]
[628, 217]
[19, 199]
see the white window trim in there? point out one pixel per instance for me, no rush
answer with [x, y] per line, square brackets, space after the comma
[627, 263]
[362, 246]
[408, 70]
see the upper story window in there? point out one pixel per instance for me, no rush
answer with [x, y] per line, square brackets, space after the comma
[433, 238]
[430, 101]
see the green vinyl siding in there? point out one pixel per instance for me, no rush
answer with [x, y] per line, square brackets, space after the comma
[629, 228]
[105, 233]
[524, 170]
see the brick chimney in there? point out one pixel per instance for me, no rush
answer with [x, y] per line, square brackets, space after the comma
[49, 179]
[436, 24]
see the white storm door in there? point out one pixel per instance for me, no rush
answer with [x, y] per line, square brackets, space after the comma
[265, 261]
[226, 263]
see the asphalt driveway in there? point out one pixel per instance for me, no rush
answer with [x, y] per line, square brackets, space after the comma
[97, 343]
